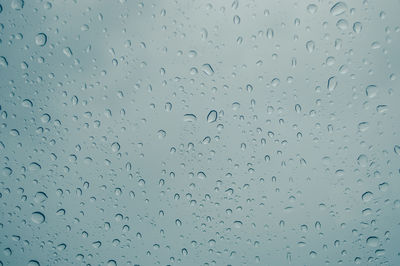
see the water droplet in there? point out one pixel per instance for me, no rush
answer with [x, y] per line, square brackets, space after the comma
[363, 126]
[34, 166]
[161, 134]
[40, 197]
[397, 149]
[67, 51]
[310, 46]
[236, 19]
[312, 9]
[41, 39]
[372, 241]
[367, 196]
[342, 24]
[249, 88]
[178, 222]
[27, 103]
[7, 171]
[362, 160]
[207, 69]
[33, 263]
[383, 187]
[382, 108]
[17, 4]
[297, 108]
[270, 33]
[3, 61]
[38, 217]
[332, 83]
[168, 107]
[357, 27]
[115, 147]
[201, 175]
[237, 224]
[212, 116]
[189, 118]
[45, 118]
[338, 9]
[111, 263]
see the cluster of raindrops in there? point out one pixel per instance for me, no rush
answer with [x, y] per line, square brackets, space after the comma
[201, 133]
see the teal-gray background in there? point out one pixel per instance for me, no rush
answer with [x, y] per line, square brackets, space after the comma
[199, 132]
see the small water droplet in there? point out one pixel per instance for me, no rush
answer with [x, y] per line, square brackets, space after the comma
[34, 166]
[41, 39]
[397, 149]
[212, 116]
[362, 160]
[237, 224]
[207, 69]
[332, 83]
[310, 46]
[236, 19]
[371, 91]
[372, 241]
[27, 103]
[338, 9]
[357, 27]
[189, 118]
[67, 51]
[115, 147]
[161, 134]
[3, 61]
[33, 263]
[367, 196]
[312, 8]
[38, 217]
[17, 4]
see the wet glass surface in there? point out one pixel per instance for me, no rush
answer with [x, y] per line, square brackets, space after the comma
[199, 132]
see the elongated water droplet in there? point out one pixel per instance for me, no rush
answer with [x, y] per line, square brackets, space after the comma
[332, 83]
[338, 9]
[212, 116]
[207, 69]
[41, 39]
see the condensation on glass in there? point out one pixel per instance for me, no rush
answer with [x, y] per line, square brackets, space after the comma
[199, 132]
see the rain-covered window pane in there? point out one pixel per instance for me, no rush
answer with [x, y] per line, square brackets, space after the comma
[191, 132]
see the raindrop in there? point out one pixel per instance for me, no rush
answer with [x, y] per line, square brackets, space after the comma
[236, 19]
[338, 9]
[372, 241]
[27, 103]
[310, 46]
[189, 118]
[207, 69]
[37, 217]
[33, 263]
[367, 196]
[397, 149]
[3, 61]
[332, 83]
[34, 166]
[17, 4]
[312, 9]
[357, 27]
[41, 39]
[115, 146]
[212, 116]
[67, 51]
